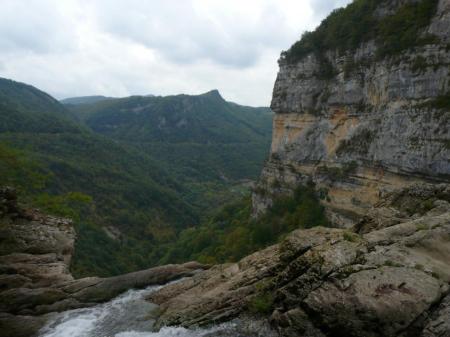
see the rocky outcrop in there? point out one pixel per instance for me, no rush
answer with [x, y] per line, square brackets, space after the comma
[391, 279]
[375, 125]
[35, 253]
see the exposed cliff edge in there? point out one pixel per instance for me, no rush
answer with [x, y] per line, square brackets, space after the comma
[389, 277]
[369, 123]
[35, 281]
[359, 124]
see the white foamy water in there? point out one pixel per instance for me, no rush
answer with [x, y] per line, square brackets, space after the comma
[128, 315]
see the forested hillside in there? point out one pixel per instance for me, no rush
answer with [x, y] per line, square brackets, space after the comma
[205, 142]
[127, 195]
[85, 100]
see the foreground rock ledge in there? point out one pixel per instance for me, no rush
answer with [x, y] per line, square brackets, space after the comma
[391, 281]
[35, 253]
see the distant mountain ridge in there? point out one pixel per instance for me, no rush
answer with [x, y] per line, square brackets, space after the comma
[24, 108]
[206, 135]
[146, 182]
[156, 118]
[85, 99]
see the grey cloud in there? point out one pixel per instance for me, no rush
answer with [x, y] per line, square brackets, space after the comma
[124, 47]
[183, 35]
[34, 26]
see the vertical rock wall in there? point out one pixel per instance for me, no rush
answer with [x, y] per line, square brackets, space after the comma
[372, 127]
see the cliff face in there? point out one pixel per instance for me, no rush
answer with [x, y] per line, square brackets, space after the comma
[35, 253]
[35, 249]
[374, 125]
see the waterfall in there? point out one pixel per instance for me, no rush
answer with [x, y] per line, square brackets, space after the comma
[128, 315]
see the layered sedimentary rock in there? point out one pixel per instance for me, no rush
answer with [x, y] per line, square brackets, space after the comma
[373, 135]
[35, 280]
[371, 127]
[35, 252]
[389, 276]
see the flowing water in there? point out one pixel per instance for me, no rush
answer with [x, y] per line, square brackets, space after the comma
[128, 315]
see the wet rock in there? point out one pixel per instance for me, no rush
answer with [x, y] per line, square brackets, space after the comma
[20, 326]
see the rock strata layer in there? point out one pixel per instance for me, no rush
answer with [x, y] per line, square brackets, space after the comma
[35, 281]
[384, 278]
[374, 126]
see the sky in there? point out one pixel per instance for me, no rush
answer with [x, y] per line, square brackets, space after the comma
[162, 47]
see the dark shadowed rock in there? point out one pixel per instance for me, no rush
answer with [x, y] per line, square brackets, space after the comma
[20, 326]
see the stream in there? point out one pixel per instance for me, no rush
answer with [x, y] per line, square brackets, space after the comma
[128, 315]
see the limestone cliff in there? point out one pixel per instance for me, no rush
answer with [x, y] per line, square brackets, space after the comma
[369, 126]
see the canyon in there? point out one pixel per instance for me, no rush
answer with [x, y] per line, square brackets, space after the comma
[371, 133]
[368, 127]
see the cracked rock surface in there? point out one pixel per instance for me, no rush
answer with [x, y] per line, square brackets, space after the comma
[391, 281]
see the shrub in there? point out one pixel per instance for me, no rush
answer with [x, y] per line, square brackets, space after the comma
[422, 227]
[390, 263]
[401, 31]
[441, 102]
[419, 64]
[358, 143]
[350, 236]
[276, 183]
[233, 233]
[261, 303]
[338, 173]
[346, 28]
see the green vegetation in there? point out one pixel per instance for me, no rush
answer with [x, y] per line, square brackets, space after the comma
[440, 102]
[359, 143]
[346, 28]
[261, 303]
[446, 143]
[70, 205]
[131, 211]
[16, 169]
[419, 64]
[338, 173]
[232, 233]
[127, 206]
[389, 263]
[422, 227]
[350, 236]
[85, 100]
[401, 31]
[419, 266]
[26, 109]
[204, 142]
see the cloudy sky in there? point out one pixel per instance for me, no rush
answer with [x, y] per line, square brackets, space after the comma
[124, 47]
